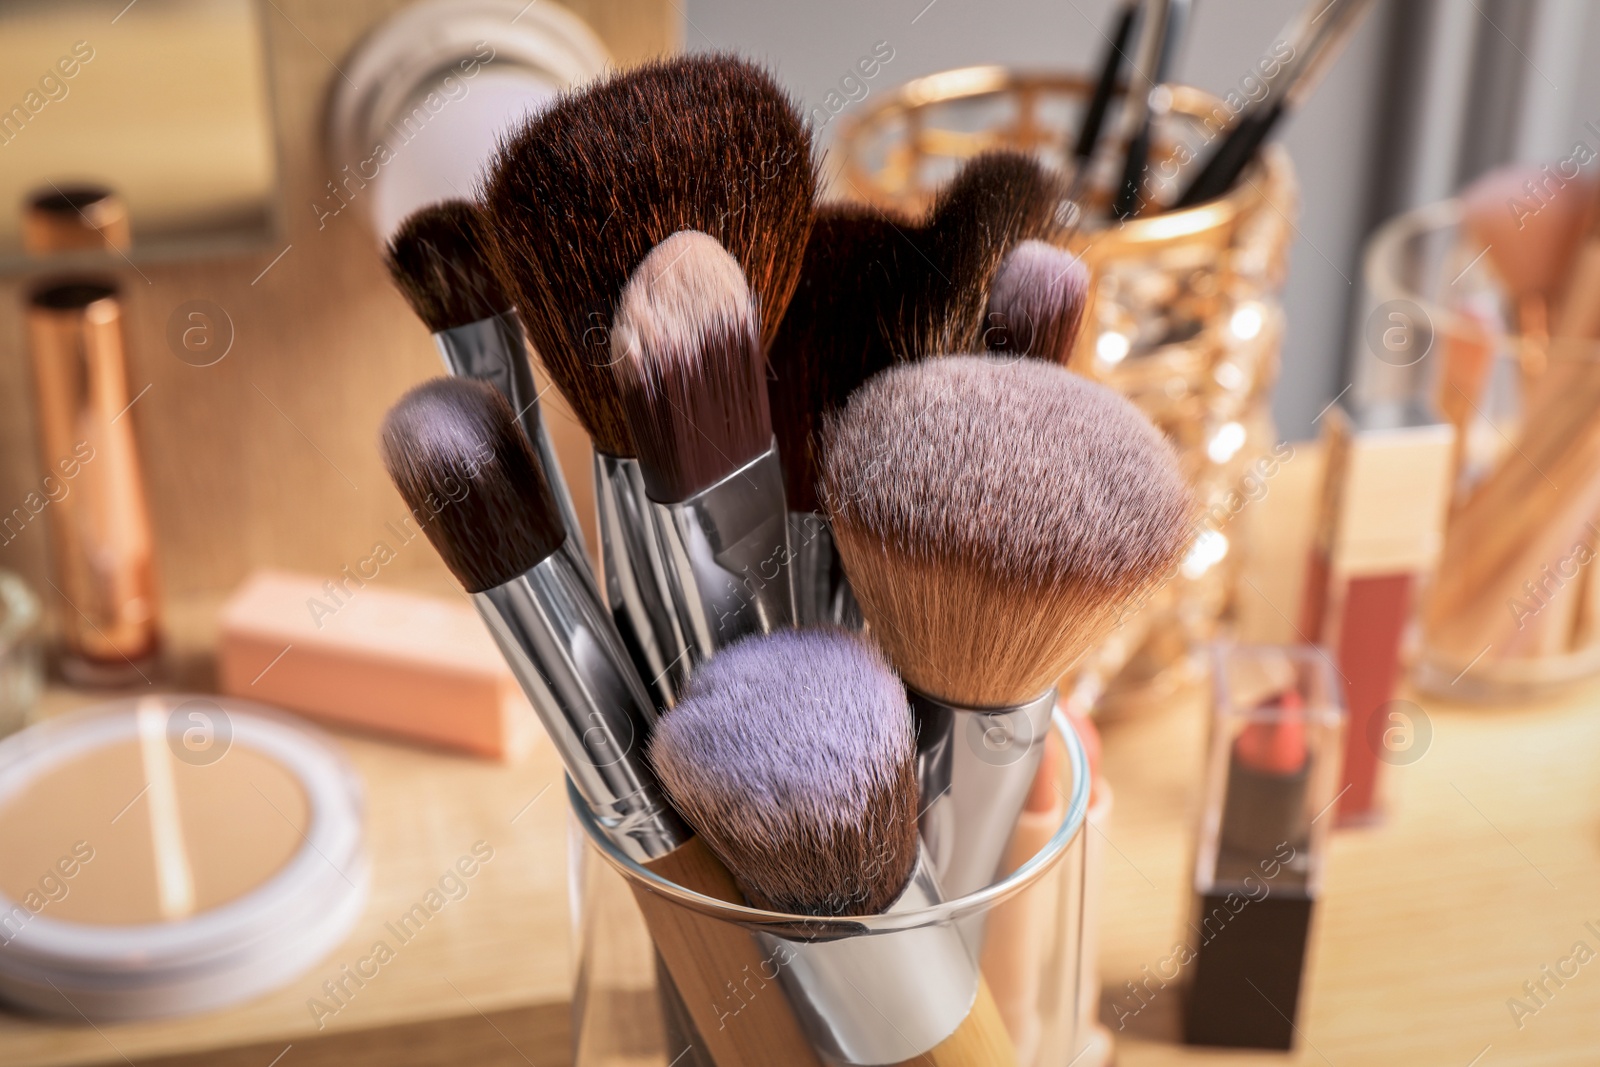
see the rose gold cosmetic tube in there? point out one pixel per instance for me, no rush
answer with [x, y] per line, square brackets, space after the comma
[74, 218]
[93, 485]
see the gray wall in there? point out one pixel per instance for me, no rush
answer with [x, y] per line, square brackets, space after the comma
[1333, 141]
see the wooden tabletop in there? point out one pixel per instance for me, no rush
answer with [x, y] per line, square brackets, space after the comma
[1486, 871]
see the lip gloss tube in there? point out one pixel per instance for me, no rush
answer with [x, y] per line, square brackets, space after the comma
[1385, 495]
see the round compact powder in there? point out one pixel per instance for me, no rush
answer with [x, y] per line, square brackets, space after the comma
[172, 854]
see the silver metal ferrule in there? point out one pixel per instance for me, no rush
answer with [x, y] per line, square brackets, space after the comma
[570, 662]
[727, 557]
[879, 997]
[492, 350]
[822, 593]
[974, 769]
[635, 578]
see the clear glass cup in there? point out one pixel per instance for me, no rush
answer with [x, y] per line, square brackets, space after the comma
[868, 990]
[1438, 329]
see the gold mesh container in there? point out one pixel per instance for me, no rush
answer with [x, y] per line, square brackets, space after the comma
[1185, 315]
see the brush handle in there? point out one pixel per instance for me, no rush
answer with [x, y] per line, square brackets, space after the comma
[974, 769]
[492, 350]
[712, 963]
[822, 593]
[566, 655]
[727, 558]
[635, 578]
[1094, 115]
[980, 1041]
[1022, 931]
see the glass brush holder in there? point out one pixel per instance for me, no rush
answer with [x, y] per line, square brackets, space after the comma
[1512, 609]
[1185, 316]
[864, 990]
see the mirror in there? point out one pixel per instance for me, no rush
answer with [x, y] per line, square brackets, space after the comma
[164, 102]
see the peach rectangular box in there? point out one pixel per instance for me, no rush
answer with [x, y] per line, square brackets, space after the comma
[404, 664]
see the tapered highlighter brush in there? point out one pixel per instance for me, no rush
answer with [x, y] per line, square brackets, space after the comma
[457, 442]
[439, 261]
[995, 519]
[580, 195]
[832, 339]
[1036, 305]
[794, 754]
[693, 383]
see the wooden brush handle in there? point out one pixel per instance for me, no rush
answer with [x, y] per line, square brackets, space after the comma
[980, 1041]
[742, 1014]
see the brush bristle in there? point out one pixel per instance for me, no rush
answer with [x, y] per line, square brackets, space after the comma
[793, 755]
[998, 200]
[835, 334]
[583, 192]
[1036, 305]
[439, 259]
[466, 471]
[995, 517]
[693, 384]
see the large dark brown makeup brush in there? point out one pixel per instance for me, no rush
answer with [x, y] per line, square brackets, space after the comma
[833, 337]
[1037, 302]
[439, 260]
[455, 452]
[794, 755]
[995, 518]
[582, 193]
[694, 386]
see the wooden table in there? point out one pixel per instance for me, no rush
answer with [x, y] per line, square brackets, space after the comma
[1487, 870]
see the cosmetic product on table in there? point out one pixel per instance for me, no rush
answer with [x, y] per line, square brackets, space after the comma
[1385, 497]
[236, 862]
[502, 540]
[102, 550]
[984, 586]
[357, 654]
[75, 217]
[1270, 779]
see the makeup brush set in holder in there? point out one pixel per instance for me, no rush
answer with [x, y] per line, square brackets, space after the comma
[1484, 310]
[856, 520]
[1185, 314]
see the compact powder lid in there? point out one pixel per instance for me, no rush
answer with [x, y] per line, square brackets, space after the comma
[172, 854]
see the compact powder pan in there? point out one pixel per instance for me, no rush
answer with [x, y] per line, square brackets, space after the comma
[170, 855]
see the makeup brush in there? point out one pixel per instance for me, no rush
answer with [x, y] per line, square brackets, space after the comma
[833, 337]
[795, 756]
[997, 200]
[453, 449]
[1037, 303]
[694, 386]
[994, 519]
[439, 261]
[1164, 22]
[581, 194]
[1105, 87]
[1317, 35]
